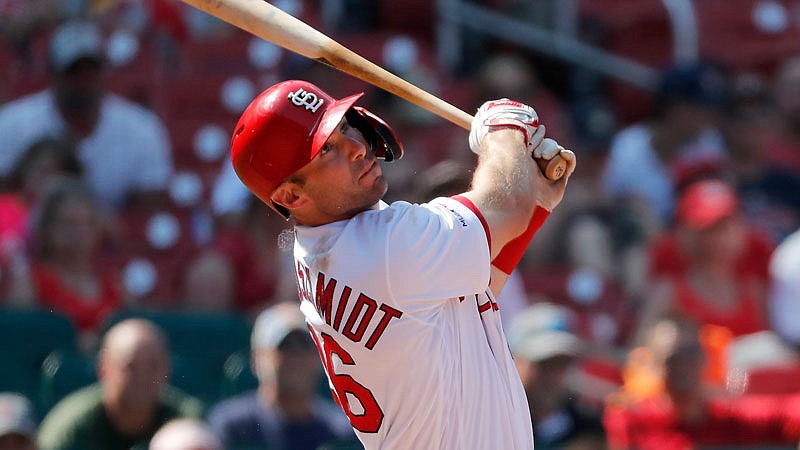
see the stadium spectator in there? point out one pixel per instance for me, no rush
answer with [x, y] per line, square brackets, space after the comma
[208, 283]
[245, 237]
[124, 148]
[666, 403]
[706, 283]
[131, 401]
[286, 410]
[765, 169]
[670, 251]
[546, 349]
[20, 21]
[648, 160]
[38, 168]
[185, 434]
[783, 150]
[17, 423]
[65, 272]
[39, 165]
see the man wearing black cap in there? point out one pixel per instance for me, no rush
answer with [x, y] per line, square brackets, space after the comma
[286, 410]
[124, 148]
[680, 139]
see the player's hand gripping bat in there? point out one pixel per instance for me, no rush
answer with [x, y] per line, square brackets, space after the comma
[270, 23]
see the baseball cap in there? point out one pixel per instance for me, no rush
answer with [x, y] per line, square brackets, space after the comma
[275, 323]
[16, 415]
[705, 202]
[75, 40]
[542, 331]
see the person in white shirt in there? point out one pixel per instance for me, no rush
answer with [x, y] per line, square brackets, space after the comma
[124, 148]
[784, 297]
[647, 160]
[398, 297]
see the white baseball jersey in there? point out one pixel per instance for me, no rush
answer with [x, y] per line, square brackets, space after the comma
[397, 300]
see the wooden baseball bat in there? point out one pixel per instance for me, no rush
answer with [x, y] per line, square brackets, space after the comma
[272, 24]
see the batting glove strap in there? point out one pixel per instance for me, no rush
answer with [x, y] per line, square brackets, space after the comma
[503, 113]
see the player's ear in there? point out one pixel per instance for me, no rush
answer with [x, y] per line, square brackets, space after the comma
[289, 196]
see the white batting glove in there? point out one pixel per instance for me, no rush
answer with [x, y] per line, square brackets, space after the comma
[502, 113]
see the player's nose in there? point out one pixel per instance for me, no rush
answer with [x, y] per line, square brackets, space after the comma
[356, 149]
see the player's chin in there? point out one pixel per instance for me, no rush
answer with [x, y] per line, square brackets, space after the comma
[381, 186]
[375, 190]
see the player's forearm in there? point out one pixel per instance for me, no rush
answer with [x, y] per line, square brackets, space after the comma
[503, 186]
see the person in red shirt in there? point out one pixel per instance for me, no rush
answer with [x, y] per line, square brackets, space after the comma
[39, 166]
[64, 272]
[717, 273]
[668, 259]
[682, 411]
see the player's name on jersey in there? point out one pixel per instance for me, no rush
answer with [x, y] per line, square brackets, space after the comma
[331, 300]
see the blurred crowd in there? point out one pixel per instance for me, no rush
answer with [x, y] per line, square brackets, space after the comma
[147, 300]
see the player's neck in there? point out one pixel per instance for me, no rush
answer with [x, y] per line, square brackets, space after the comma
[316, 220]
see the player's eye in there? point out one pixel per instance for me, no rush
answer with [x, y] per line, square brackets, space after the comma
[325, 148]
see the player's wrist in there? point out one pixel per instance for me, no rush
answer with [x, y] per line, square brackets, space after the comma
[505, 136]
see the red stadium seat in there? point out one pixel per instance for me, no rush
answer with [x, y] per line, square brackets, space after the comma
[139, 79]
[774, 380]
[604, 318]
[166, 239]
[418, 15]
[730, 34]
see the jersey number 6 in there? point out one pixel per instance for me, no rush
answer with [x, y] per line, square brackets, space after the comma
[370, 420]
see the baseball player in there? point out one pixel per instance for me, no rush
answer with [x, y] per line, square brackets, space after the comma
[398, 297]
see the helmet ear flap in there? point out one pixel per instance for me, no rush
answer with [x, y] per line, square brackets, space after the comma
[379, 135]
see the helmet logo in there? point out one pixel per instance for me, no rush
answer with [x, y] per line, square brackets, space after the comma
[310, 100]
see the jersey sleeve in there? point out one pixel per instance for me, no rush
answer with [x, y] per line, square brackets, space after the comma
[438, 250]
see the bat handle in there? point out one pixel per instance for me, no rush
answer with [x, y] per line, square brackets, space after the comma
[554, 168]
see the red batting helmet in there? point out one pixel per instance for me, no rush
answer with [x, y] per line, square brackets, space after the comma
[285, 127]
